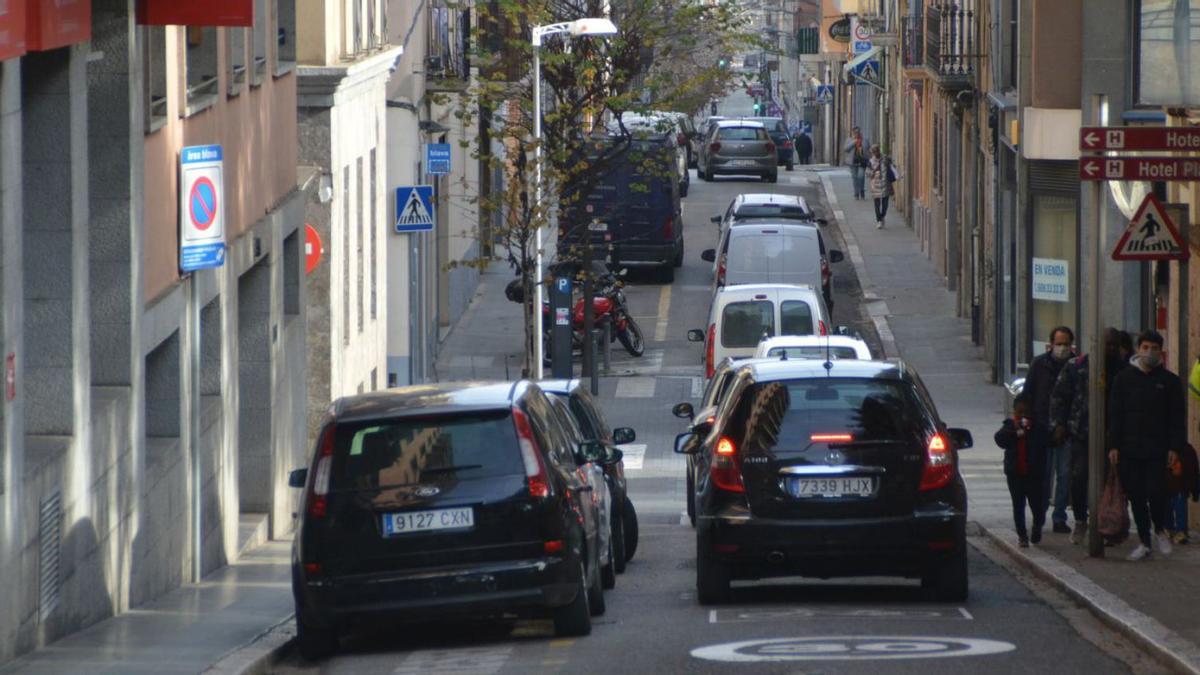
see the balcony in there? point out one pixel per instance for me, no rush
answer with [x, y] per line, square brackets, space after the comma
[912, 41]
[950, 44]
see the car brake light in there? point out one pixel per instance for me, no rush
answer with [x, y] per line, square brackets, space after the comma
[822, 329]
[669, 227]
[312, 569]
[553, 546]
[939, 464]
[725, 472]
[787, 145]
[535, 470]
[770, 147]
[714, 147]
[825, 271]
[318, 501]
[709, 349]
[721, 272]
[831, 438]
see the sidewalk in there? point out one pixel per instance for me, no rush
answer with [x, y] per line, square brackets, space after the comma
[1151, 603]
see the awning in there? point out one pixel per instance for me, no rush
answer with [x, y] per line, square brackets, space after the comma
[233, 13]
[57, 23]
[862, 58]
[12, 31]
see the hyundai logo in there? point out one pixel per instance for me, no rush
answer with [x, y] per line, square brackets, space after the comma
[426, 491]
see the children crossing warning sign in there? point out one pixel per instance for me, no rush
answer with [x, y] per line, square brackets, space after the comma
[414, 208]
[1151, 235]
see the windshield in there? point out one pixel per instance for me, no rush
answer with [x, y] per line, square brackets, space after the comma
[813, 352]
[772, 211]
[743, 324]
[742, 134]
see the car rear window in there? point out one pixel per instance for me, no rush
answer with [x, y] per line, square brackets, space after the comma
[813, 352]
[408, 451]
[772, 211]
[796, 318]
[742, 134]
[784, 416]
[743, 324]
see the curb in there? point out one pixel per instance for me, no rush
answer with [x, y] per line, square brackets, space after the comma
[260, 654]
[877, 309]
[1159, 642]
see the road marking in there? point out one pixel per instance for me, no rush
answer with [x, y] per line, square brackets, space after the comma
[473, 660]
[736, 615]
[634, 456]
[686, 522]
[697, 387]
[664, 310]
[561, 643]
[850, 648]
[622, 364]
[635, 387]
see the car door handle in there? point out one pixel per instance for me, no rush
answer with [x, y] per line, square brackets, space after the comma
[585, 488]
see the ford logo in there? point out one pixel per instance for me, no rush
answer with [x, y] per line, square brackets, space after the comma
[426, 491]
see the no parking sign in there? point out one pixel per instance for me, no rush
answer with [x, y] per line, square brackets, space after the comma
[201, 208]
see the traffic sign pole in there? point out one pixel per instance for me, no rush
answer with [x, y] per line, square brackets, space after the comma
[1097, 458]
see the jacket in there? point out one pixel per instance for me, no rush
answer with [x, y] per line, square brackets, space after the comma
[804, 145]
[1039, 385]
[1187, 482]
[1069, 399]
[1035, 447]
[852, 155]
[877, 173]
[1146, 413]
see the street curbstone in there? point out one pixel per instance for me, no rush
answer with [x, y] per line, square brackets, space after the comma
[258, 656]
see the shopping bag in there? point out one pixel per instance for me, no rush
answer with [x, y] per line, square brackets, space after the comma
[1114, 516]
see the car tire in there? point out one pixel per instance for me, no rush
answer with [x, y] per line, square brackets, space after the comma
[575, 618]
[618, 542]
[595, 593]
[315, 642]
[631, 528]
[691, 499]
[712, 581]
[948, 580]
[608, 573]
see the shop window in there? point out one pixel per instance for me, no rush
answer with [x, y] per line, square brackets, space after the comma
[360, 223]
[346, 258]
[154, 80]
[201, 67]
[285, 29]
[259, 66]
[235, 45]
[1053, 267]
[372, 237]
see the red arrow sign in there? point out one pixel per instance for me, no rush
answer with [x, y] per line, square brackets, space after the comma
[1139, 168]
[1139, 138]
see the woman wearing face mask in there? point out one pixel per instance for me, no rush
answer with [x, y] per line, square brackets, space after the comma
[1147, 424]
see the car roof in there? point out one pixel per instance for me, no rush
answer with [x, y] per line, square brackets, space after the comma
[810, 340]
[559, 386]
[762, 288]
[740, 123]
[429, 399]
[767, 370]
[745, 226]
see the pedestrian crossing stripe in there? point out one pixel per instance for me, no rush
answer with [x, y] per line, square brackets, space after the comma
[414, 208]
[1151, 235]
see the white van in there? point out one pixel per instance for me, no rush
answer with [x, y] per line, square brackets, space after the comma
[773, 253]
[741, 316]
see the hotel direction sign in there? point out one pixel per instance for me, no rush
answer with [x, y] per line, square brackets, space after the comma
[1140, 168]
[1178, 139]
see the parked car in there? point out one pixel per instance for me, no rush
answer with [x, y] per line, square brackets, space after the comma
[689, 136]
[444, 500]
[767, 205]
[591, 422]
[654, 125]
[827, 471]
[738, 147]
[783, 140]
[741, 316]
[807, 347]
[770, 251]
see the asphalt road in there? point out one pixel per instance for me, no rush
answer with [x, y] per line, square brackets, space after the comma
[653, 622]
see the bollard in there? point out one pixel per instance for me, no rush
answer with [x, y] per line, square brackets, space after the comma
[606, 350]
[594, 375]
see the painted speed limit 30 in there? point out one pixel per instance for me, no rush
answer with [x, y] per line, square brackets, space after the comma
[850, 648]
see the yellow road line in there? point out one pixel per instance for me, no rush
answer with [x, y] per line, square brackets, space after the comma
[664, 310]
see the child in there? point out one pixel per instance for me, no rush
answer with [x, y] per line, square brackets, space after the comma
[1024, 455]
[1182, 482]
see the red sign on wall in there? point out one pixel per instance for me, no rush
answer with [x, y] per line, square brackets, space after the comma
[196, 12]
[312, 249]
[12, 28]
[57, 23]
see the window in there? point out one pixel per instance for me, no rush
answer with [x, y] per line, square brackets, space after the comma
[154, 80]
[201, 66]
[795, 318]
[261, 19]
[285, 30]
[1054, 248]
[742, 134]
[362, 235]
[1166, 56]
[743, 324]
[346, 257]
[235, 57]
[373, 238]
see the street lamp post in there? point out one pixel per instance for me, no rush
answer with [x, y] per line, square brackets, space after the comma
[576, 28]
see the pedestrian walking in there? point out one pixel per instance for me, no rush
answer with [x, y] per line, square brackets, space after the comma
[854, 154]
[1069, 415]
[1183, 481]
[1147, 428]
[1039, 383]
[804, 147]
[1024, 444]
[881, 176]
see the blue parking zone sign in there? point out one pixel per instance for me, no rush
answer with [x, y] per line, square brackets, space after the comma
[414, 208]
[437, 159]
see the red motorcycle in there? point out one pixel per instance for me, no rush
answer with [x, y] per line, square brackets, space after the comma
[608, 306]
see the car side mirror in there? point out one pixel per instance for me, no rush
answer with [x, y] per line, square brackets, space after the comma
[591, 451]
[614, 456]
[298, 478]
[623, 435]
[715, 219]
[821, 221]
[695, 335]
[682, 446]
[708, 255]
[835, 256]
[961, 438]
[684, 411]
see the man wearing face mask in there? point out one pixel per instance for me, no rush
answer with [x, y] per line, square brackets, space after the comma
[1039, 383]
[1147, 424]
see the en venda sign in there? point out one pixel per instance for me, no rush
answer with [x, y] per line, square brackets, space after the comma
[1051, 280]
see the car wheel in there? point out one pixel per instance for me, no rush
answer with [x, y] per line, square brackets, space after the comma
[618, 543]
[691, 499]
[712, 581]
[315, 642]
[608, 573]
[575, 619]
[595, 593]
[948, 581]
[629, 515]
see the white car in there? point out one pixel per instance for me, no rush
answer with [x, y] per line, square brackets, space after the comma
[808, 347]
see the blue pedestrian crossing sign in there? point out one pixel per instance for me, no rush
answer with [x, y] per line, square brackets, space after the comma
[414, 208]
[867, 70]
[824, 93]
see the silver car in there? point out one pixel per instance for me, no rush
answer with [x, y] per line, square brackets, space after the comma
[738, 147]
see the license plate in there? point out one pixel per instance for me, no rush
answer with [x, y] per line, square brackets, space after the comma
[428, 521]
[806, 488]
[598, 227]
[742, 162]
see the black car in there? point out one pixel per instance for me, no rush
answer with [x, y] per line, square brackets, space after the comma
[594, 427]
[457, 500]
[828, 469]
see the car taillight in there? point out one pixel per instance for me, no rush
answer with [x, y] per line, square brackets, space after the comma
[714, 147]
[318, 491]
[725, 472]
[770, 147]
[939, 464]
[709, 350]
[830, 438]
[535, 470]
[669, 227]
[787, 145]
[825, 272]
[822, 329]
[721, 272]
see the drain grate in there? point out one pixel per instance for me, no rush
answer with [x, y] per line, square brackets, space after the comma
[50, 554]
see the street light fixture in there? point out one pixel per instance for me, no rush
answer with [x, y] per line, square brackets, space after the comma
[593, 27]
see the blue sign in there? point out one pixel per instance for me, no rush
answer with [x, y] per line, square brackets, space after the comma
[437, 159]
[414, 208]
[201, 208]
[824, 93]
[861, 46]
[867, 70]
[806, 128]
